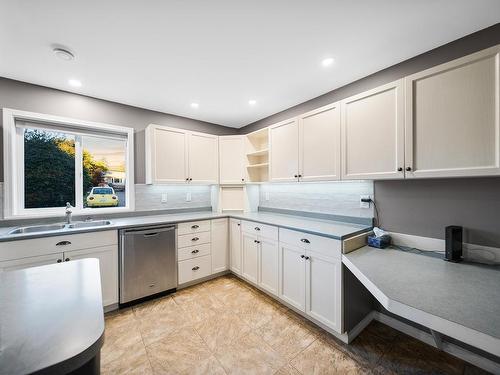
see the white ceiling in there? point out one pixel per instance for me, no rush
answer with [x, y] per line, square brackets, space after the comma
[164, 55]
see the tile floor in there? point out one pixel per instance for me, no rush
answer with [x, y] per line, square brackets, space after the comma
[225, 326]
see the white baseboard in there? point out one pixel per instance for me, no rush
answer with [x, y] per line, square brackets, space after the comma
[455, 350]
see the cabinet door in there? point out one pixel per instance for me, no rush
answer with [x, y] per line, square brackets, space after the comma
[203, 158]
[292, 271]
[319, 144]
[166, 155]
[41, 260]
[269, 265]
[324, 290]
[452, 118]
[284, 154]
[108, 263]
[250, 250]
[235, 245]
[232, 159]
[373, 134]
[220, 240]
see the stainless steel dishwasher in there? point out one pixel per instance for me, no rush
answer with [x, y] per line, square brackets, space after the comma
[148, 262]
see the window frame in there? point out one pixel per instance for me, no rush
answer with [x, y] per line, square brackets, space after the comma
[13, 152]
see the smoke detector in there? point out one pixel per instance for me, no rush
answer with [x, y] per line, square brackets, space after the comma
[63, 53]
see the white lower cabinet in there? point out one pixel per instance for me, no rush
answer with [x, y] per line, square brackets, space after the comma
[235, 245]
[220, 241]
[40, 260]
[193, 269]
[292, 276]
[108, 264]
[311, 279]
[269, 265]
[323, 290]
[250, 251]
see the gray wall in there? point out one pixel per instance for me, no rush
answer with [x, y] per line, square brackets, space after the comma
[425, 207]
[28, 97]
[458, 48]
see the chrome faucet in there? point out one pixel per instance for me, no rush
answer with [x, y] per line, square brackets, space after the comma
[69, 212]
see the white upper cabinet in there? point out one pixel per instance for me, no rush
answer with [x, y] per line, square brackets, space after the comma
[283, 154]
[373, 133]
[232, 159]
[166, 155]
[180, 156]
[319, 144]
[203, 158]
[452, 118]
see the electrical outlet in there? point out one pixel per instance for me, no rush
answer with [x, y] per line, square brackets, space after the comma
[364, 204]
[188, 196]
[164, 198]
[267, 196]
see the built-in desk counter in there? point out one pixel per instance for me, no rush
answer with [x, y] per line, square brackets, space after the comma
[460, 300]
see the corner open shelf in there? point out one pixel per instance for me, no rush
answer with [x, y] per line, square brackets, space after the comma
[257, 155]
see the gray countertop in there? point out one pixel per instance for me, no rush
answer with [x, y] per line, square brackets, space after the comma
[51, 317]
[461, 300]
[328, 228]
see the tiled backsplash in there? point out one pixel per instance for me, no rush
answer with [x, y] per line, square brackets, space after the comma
[337, 198]
[148, 197]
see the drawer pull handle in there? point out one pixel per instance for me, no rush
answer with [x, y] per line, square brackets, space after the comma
[195, 239]
[151, 234]
[305, 240]
[195, 268]
[63, 243]
[195, 251]
[195, 226]
[257, 228]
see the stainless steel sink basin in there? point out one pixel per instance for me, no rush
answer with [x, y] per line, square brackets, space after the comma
[89, 224]
[38, 228]
[56, 227]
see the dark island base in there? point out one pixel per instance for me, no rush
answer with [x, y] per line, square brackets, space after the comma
[92, 367]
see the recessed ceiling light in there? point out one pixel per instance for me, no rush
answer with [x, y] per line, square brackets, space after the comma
[252, 102]
[328, 61]
[75, 83]
[63, 54]
[194, 105]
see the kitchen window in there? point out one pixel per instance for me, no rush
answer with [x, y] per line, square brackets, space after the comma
[51, 161]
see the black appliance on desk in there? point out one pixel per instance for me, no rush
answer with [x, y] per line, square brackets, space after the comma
[454, 237]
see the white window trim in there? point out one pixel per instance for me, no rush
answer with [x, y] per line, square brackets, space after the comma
[14, 154]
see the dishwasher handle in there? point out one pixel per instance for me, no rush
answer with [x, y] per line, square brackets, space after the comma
[148, 232]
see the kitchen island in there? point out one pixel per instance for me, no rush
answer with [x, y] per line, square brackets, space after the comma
[51, 319]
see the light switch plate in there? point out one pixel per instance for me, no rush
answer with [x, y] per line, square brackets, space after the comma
[188, 196]
[364, 204]
[267, 196]
[164, 198]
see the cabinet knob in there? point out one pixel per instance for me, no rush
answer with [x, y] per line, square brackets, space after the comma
[67, 260]
[400, 169]
[302, 256]
[195, 251]
[305, 240]
[59, 260]
[300, 175]
[63, 243]
[190, 179]
[307, 258]
[195, 268]
[295, 175]
[257, 229]
[195, 239]
[243, 179]
[408, 169]
[187, 178]
[195, 226]
[238, 224]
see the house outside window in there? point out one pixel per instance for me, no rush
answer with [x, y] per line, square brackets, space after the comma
[50, 161]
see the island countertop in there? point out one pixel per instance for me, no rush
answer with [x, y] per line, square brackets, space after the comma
[51, 318]
[460, 300]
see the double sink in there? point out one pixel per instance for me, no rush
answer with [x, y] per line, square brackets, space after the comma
[60, 226]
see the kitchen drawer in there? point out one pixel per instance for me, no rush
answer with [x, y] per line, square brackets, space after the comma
[193, 269]
[318, 244]
[262, 230]
[193, 239]
[10, 250]
[193, 251]
[193, 227]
